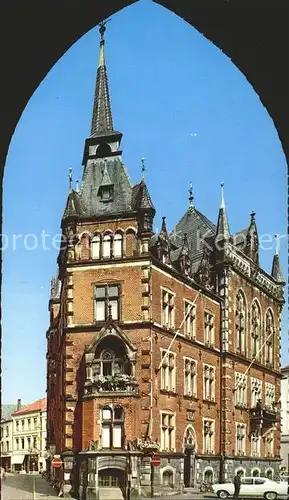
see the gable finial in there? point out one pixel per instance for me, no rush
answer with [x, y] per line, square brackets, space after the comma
[143, 168]
[70, 178]
[191, 195]
[277, 244]
[222, 196]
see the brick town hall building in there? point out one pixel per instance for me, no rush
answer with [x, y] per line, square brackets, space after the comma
[158, 343]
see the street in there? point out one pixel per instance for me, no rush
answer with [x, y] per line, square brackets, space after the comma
[26, 487]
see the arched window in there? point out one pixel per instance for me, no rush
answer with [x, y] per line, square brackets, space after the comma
[269, 473]
[106, 246]
[95, 247]
[256, 330]
[118, 245]
[112, 426]
[240, 324]
[168, 478]
[208, 476]
[103, 150]
[256, 472]
[190, 437]
[110, 364]
[269, 336]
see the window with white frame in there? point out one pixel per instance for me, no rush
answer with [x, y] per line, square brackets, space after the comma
[107, 300]
[240, 324]
[256, 331]
[269, 395]
[208, 436]
[167, 431]
[256, 443]
[95, 247]
[256, 391]
[168, 309]
[17, 443]
[107, 246]
[269, 444]
[118, 245]
[269, 337]
[17, 425]
[190, 319]
[209, 328]
[209, 383]
[190, 377]
[168, 371]
[35, 442]
[112, 427]
[241, 439]
[240, 389]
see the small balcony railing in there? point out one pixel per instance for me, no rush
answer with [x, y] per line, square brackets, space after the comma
[122, 383]
[264, 416]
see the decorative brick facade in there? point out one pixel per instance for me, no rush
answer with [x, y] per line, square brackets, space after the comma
[151, 336]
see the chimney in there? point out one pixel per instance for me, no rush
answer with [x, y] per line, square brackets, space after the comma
[18, 404]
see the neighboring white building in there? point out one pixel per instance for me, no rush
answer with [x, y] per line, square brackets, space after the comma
[285, 417]
[6, 443]
[29, 437]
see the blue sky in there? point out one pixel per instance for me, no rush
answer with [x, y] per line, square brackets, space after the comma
[182, 105]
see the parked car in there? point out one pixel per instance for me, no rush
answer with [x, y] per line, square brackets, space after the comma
[253, 487]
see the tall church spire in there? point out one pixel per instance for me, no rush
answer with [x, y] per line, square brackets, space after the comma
[102, 123]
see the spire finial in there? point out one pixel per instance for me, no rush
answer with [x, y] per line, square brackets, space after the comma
[102, 28]
[276, 244]
[70, 178]
[191, 195]
[253, 214]
[222, 196]
[143, 168]
[77, 187]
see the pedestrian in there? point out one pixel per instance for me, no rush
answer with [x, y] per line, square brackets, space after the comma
[237, 484]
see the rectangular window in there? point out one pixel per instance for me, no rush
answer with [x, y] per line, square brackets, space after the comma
[167, 431]
[255, 443]
[23, 424]
[270, 396]
[208, 435]
[168, 371]
[17, 444]
[269, 444]
[35, 422]
[190, 319]
[240, 389]
[29, 424]
[190, 377]
[256, 391]
[241, 439]
[107, 301]
[209, 329]
[105, 435]
[17, 425]
[209, 383]
[112, 427]
[29, 442]
[34, 442]
[7, 446]
[168, 309]
[22, 444]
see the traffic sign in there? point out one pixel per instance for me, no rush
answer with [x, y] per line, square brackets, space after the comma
[56, 463]
[155, 460]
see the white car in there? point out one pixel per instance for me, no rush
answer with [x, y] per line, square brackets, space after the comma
[252, 487]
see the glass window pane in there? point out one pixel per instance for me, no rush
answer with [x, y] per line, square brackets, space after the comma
[117, 436]
[113, 291]
[106, 246]
[95, 249]
[114, 309]
[100, 292]
[117, 250]
[106, 414]
[105, 436]
[100, 310]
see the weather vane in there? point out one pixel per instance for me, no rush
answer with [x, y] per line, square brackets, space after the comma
[70, 178]
[102, 27]
[191, 196]
[143, 167]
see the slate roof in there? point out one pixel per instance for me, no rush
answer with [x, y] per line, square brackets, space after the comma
[276, 269]
[141, 198]
[197, 226]
[74, 206]
[92, 180]
[39, 405]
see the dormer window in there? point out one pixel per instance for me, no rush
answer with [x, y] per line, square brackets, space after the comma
[106, 193]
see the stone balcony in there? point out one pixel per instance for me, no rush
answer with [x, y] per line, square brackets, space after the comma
[264, 416]
[100, 385]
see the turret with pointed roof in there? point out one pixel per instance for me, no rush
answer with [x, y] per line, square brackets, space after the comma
[223, 231]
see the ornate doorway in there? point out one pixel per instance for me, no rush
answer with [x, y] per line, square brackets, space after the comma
[190, 457]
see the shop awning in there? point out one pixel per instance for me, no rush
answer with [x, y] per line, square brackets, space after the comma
[17, 459]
